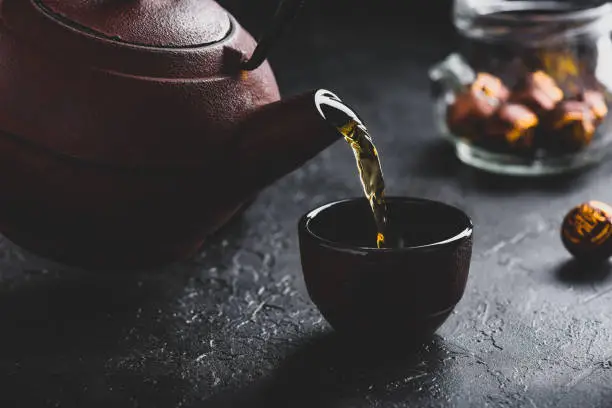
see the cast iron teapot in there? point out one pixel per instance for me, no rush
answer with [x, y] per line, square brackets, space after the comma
[130, 130]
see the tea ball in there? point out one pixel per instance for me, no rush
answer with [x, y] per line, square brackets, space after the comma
[587, 230]
[513, 124]
[471, 108]
[597, 103]
[573, 123]
[539, 92]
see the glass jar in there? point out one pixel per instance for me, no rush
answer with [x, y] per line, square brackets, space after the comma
[528, 91]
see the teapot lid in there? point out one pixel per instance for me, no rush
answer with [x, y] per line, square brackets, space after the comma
[156, 23]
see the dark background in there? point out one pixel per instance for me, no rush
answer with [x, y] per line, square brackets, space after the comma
[234, 326]
[419, 19]
[344, 23]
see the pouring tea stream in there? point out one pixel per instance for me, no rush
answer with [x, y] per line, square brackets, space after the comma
[348, 123]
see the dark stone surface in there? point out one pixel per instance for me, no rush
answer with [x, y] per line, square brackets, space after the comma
[234, 327]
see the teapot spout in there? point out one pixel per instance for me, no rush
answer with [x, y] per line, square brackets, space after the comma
[278, 138]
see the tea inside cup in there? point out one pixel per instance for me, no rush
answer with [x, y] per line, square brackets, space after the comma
[404, 291]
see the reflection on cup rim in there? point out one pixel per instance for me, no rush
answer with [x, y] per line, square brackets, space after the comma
[462, 218]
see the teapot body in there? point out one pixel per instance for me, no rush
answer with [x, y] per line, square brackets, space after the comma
[109, 149]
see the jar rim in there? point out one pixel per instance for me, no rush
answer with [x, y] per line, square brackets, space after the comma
[553, 11]
[491, 20]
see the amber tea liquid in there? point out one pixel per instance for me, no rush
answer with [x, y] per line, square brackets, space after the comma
[366, 155]
[370, 173]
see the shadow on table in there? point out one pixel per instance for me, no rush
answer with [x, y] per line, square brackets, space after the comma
[65, 310]
[329, 370]
[79, 338]
[438, 160]
[59, 335]
[574, 272]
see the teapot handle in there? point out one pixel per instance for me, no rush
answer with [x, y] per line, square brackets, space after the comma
[286, 12]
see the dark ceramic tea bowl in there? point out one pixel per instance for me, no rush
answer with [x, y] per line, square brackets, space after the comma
[405, 292]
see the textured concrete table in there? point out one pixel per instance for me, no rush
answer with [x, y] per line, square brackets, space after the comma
[234, 327]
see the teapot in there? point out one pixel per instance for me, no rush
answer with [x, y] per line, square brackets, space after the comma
[132, 130]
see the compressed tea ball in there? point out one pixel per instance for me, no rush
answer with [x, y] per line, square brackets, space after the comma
[513, 125]
[467, 114]
[572, 125]
[597, 103]
[587, 230]
[490, 86]
[539, 92]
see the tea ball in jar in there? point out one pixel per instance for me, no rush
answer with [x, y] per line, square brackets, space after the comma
[587, 231]
[472, 107]
[573, 124]
[539, 92]
[597, 103]
[513, 125]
